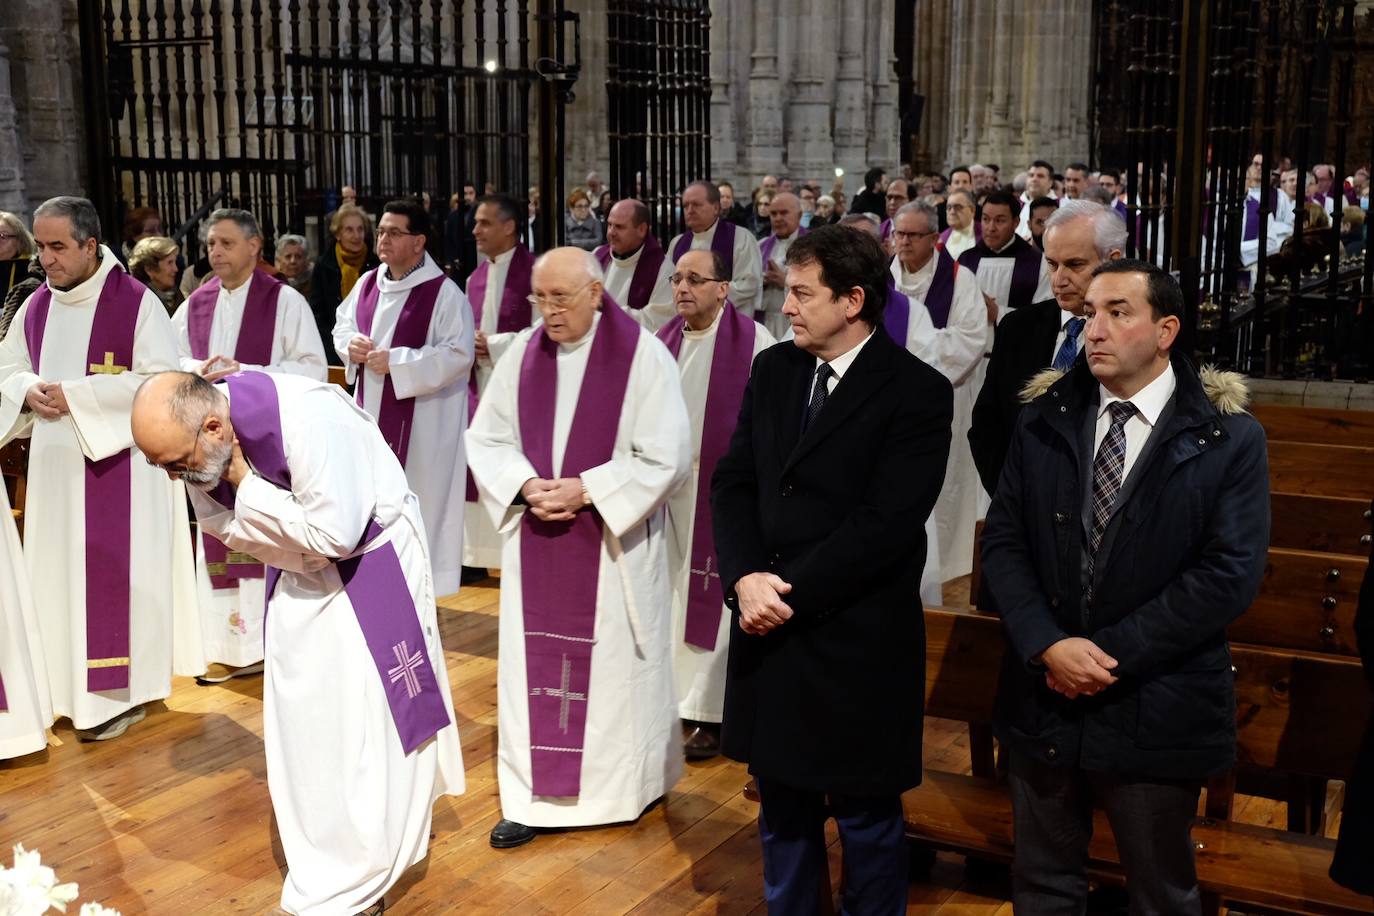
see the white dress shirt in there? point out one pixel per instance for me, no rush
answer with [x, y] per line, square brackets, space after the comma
[1149, 404]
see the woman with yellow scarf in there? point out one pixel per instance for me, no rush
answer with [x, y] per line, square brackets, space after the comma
[338, 268]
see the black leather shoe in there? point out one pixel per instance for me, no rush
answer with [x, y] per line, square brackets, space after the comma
[472, 575]
[508, 835]
[701, 740]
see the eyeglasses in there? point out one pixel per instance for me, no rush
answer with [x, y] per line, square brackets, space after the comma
[179, 467]
[6, 236]
[693, 279]
[557, 303]
[956, 208]
[897, 233]
[393, 234]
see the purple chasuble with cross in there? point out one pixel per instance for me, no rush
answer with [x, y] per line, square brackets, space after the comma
[645, 277]
[514, 315]
[226, 567]
[372, 576]
[731, 358]
[108, 483]
[395, 415]
[1025, 273]
[560, 561]
[722, 243]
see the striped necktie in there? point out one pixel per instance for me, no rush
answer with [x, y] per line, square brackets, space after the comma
[1107, 475]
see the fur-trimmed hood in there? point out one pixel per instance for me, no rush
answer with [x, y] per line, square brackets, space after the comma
[1227, 391]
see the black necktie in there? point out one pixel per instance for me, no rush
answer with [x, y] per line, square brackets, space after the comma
[819, 392]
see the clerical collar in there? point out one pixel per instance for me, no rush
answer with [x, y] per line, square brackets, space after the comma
[709, 229]
[418, 264]
[1014, 238]
[707, 331]
[631, 256]
[505, 256]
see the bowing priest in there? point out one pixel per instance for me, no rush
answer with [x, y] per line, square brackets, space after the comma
[636, 266]
[241, 318]
[949, 294]
[715, 346]
[407, 330]
[105, 535]
[498, 291]
[784, 214]
[580, 439]
[738, 249]
[25, 706]
[358, 725]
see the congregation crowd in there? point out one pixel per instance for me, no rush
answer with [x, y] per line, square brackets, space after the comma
[718, 474]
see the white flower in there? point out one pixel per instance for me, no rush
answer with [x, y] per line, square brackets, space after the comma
[95, 909]
[30, 888]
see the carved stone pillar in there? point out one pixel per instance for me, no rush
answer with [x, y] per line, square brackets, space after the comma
[764, 135]
[851, 142]
[882, 138]
[12, 194]
[724, 148]
[810, 148]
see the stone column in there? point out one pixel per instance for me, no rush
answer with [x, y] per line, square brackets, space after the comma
[882, 138]
[724, 149]
[810, 149]
[851, 146]
[764, 135]
[12, 193]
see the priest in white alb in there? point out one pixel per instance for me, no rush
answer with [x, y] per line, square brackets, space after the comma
[498, 291]
[358, 724]
[580, 439]
[715, 347]
[105, 536]
[737, 247]
[25, 707]
[784, 213]
[241, 318]
[636, 265]
[949, 293]
[407, 331]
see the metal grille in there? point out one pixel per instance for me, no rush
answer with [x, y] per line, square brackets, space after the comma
[659, 99]
[272, 105]
[1205, 87]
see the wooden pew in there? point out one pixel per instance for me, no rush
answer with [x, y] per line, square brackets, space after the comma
[1323, 524]
[1321, 470]
[1296, 711]
[14, 463]
[1307, 601]
[1316, 424]
[336, 375]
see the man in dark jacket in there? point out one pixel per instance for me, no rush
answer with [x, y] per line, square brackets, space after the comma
[1130, 526]
[819, 511]
[1355, 846]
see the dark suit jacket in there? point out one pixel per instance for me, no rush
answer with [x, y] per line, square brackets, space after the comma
[1183, 556]
[1355, 846]
[832, 699]
[1021, 347]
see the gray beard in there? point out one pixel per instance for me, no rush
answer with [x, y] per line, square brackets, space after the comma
[216, 463]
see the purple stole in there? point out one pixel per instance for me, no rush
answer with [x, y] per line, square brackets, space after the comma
[108, 482]
[514, 315]
[766, 246]
[4, 704]
[977, 234]
[1121, 208]
[896, 314]
[885, 229]
[645, 277]
[1252, 207]
[560, 561]
[731, 359]
[1025, 273]
[940, 296]
[722, 243]
[226, 567]
[374, 581]
[394, 415]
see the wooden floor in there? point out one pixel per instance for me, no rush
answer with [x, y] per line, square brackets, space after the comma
[174, 818]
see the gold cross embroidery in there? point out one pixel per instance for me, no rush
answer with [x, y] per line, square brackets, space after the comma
[108, 367]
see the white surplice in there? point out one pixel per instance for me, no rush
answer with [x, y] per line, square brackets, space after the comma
[162, 593]
[353, 810]
[633, 749]
[700, 673]
[436, 376]
[771, 298]
[659, 310]
[747, 280]
[24, 724]
[231, 618]
[481, 543]
[956, 350]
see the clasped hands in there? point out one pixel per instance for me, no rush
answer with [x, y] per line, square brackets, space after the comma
[217, 367]
[47, 400]
[554, 500]
[761, 607]
[361, 350]
[1078, 668]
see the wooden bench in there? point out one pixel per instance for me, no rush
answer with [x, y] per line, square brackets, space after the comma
[1316, 424]
[1323, 524]
[1307, 601]
[1297, 711]
[336, 375]
[1321, 470]
[14, 463]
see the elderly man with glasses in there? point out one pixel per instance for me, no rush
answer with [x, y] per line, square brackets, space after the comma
[581, 437]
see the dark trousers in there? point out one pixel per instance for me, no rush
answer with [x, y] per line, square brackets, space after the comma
[792, 827]
[1053, 819]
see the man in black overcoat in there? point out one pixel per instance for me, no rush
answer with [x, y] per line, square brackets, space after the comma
[1129, 527]
[1353, 865]
[819, 512]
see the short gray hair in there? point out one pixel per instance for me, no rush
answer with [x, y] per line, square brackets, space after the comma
[78, 210]
[290, 238]
[593, 267]
[1109, 229]
[966, 194]
[242, 218]
[853, 219]
[919, 207]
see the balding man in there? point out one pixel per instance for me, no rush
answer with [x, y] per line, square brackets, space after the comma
[588, 726]
[1039, 183]
[784, 213]
[706, 229]
[636, 268]
[358, 723]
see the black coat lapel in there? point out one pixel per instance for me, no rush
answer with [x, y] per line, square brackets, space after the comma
[795, 385]
[865, 376]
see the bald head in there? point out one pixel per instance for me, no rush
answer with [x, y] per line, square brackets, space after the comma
[181, 423]
[785, 214]
[627, 226]
[567, 286]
